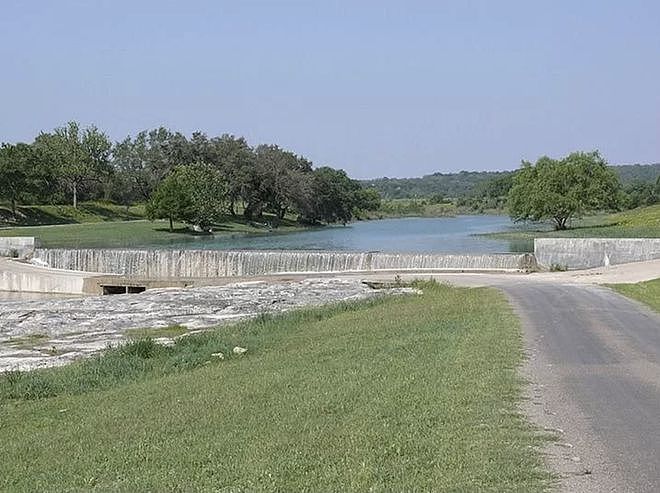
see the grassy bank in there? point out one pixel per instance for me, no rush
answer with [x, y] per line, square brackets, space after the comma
[87, 212]
[637, 223]
[117, 233]
[647, 292]
[411, 393]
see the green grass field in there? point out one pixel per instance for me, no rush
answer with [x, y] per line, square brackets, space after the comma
[414, 393]
[647, 292]
[637, 223]
[94, 225]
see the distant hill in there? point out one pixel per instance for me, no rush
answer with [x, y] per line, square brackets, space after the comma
[629, 173]
[455, 185]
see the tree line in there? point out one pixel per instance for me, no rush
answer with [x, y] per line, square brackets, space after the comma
[487, 190]
[629, 186]
[195, 179]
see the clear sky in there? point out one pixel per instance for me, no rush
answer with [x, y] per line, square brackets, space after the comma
[378, 88]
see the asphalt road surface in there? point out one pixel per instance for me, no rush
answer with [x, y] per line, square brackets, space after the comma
[594, 360]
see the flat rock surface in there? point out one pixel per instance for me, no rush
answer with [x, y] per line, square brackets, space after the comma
[47, 332]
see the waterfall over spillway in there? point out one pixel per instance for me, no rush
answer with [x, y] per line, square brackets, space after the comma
[167, 264]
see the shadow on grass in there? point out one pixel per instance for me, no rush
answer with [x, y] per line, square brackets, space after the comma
[240, 225]
[64, 214]
[109, 214]
[30, 216]
[184, 231]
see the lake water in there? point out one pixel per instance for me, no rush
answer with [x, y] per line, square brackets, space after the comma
[441, 235]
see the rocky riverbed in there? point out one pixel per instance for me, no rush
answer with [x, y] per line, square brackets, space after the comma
[50, 332]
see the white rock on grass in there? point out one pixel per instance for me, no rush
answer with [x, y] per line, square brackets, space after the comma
[239, 350]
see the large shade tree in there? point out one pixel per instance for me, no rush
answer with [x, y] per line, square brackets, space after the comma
[281, 177]
[333, 197]
[561, 189]
[18, 174]
[142, 162]
[194, 194]
[76, 155]
[235, 159]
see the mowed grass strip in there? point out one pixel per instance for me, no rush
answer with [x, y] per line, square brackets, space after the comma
[647, 292]
[404, 394]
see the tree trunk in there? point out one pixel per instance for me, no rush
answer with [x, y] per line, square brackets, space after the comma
[75, 195]
[232, 211]
[171, 225]
[247, 212]
[13, 206]
[560, 223]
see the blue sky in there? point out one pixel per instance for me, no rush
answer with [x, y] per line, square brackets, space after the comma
[378, 88]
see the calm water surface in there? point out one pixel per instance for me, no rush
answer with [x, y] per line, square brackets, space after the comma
[442, 234]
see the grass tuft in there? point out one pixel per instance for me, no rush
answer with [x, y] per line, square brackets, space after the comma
[171, 331]
[27, 341]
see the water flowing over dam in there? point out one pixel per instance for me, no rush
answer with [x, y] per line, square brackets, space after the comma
[167, 264]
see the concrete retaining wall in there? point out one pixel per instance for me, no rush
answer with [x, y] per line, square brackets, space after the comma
[18, 276]
[586, 253]
[17, 246]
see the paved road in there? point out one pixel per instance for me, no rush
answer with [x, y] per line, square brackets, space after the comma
[595, 364]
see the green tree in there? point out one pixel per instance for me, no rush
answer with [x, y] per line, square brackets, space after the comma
[168, 201]
[334, 196]
[17, 176]
[281, 177]
[368, 199]
[194, 194]
[235, 159]
[207, 190]
[76, 156]
[144, 161]
[639, 193]
[560, 190]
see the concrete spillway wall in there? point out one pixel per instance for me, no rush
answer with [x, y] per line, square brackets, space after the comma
[167, 264]
[17, 246]
[22, 277]
[586, 253]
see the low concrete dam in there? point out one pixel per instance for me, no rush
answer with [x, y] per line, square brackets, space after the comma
[168, 264]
